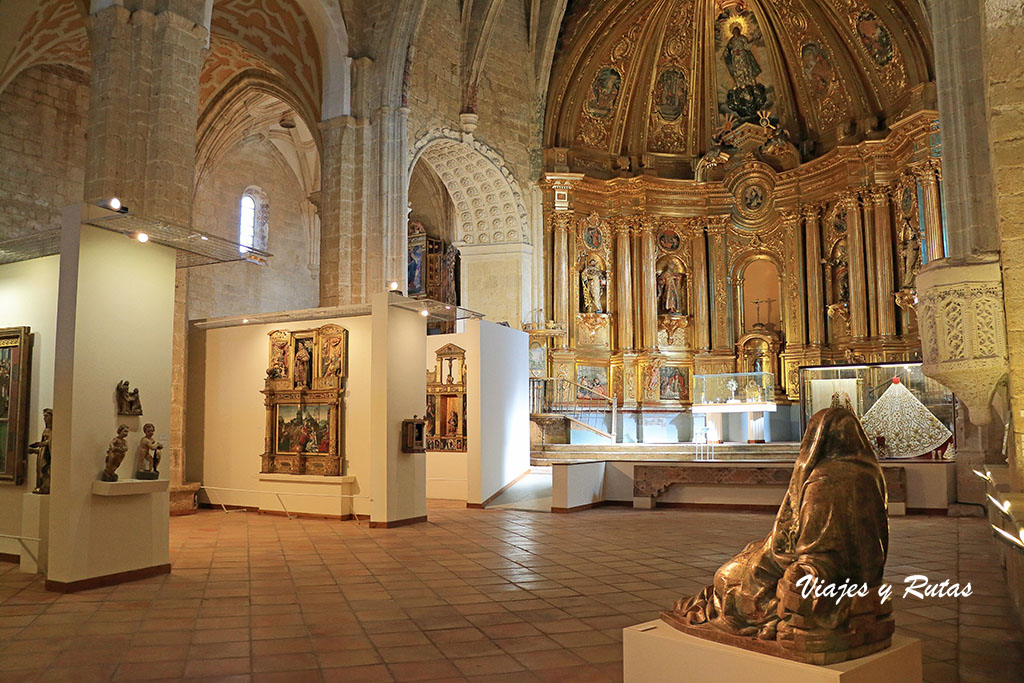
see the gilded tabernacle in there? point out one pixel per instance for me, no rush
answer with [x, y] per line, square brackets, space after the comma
[831, 526]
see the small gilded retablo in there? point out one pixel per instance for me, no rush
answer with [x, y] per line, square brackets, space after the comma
[833, 527]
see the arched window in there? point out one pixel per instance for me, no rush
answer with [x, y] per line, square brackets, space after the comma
[252, 222]
[247, 224]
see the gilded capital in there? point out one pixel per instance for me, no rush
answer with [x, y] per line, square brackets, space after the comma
[879, 194]
[811, 212]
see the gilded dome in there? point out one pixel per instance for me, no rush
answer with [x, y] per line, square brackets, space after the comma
[649, 82]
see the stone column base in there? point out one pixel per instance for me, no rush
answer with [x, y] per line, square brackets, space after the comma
[183, 498]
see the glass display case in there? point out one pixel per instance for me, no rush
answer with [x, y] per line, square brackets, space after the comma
[866, 383]
[734, 388]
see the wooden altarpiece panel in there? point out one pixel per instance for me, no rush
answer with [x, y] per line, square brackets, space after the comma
[446, 400]
[303, 395]
[15, 371]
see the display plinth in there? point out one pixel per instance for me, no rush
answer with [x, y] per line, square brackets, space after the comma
[655, 652]
[129, 487]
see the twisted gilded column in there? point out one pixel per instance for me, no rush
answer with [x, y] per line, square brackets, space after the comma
[858, 271]
[931, 209]
[884, 280]
[699, 306]
[815, 293]
[648, 284]
[624, 282]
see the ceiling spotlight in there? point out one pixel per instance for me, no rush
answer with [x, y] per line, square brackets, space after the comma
[142, 237]
[245, 320]
[424, 313]
[394, 286]
[204, 238]
[114, 204]
[447, 308]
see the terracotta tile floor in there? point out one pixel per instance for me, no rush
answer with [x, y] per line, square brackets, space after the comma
[480, 595]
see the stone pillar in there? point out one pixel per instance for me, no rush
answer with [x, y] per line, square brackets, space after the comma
[721, 341]
[815, 292]
[648, 285]
[884, 280]
[339, 248]
[931, 209]
[141, 148]
[858, 271]
[624, 284]
[699, 305]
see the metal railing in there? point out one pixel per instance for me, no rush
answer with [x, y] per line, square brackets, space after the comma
[560, 396]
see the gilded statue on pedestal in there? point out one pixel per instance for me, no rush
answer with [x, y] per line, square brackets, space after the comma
[832, 528]
[594, 283]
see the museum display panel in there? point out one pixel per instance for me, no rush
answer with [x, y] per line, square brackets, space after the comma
[15, 374]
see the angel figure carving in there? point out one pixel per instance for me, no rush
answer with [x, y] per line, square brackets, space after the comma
[594, 284]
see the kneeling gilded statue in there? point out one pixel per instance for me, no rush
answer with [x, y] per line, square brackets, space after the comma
[833, 528]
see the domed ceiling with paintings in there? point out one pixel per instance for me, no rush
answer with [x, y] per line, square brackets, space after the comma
[654, 83]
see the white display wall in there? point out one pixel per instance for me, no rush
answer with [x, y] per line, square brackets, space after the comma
[227, 421]
[498, 414]
[28, 297]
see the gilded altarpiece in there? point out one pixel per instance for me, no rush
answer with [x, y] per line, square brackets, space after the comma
[446, 400]
[303, 394]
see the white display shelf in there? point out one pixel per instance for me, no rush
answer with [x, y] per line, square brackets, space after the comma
[129, 487]
[307, 479]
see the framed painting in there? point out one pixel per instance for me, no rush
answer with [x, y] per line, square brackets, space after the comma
[15, 372]
[592, 381]
[303, 429]
[674, 383]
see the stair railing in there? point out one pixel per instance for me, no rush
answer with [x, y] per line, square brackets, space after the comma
[561, 396]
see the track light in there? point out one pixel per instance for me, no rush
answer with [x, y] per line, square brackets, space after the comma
[114, 204]
[424, 313]
[142, 237]
[394, 286]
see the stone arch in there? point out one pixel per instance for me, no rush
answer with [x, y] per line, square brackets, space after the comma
[489, 206]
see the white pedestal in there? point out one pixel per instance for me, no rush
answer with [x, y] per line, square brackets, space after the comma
[35, 523]
[654, 652]
[714, 425]
[755, 426]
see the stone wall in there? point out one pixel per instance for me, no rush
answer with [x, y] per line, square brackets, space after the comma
[42, 147]
[286, 281]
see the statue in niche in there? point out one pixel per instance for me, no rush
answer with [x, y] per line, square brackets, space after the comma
[840, 273]
[147, 455]
[594, 283]
[115, 454]
[303, 365]
[671, 293]
[42, 450]
[128, 401]
[453, 423]
[832, 527]
[910, 257]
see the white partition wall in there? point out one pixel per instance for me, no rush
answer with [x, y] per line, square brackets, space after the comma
[497, 414]
[28, 297]
[115, 319]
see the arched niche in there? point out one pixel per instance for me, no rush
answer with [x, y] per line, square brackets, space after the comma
[592, 290]
[757, 281]
[430, 205]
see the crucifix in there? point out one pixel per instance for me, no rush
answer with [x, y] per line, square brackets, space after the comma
[757, 308]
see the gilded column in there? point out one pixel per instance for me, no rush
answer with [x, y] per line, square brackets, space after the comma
[624, 282]
[561, 222]
[932, 212]
[649, 285]
[699, 306]
[871, 267]
[884, 279]
[793, 282]
[858, 271]
[815, 293]
[720, 338]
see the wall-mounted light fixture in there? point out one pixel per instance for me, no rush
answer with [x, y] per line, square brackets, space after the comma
[142, 237]
[113, 204]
